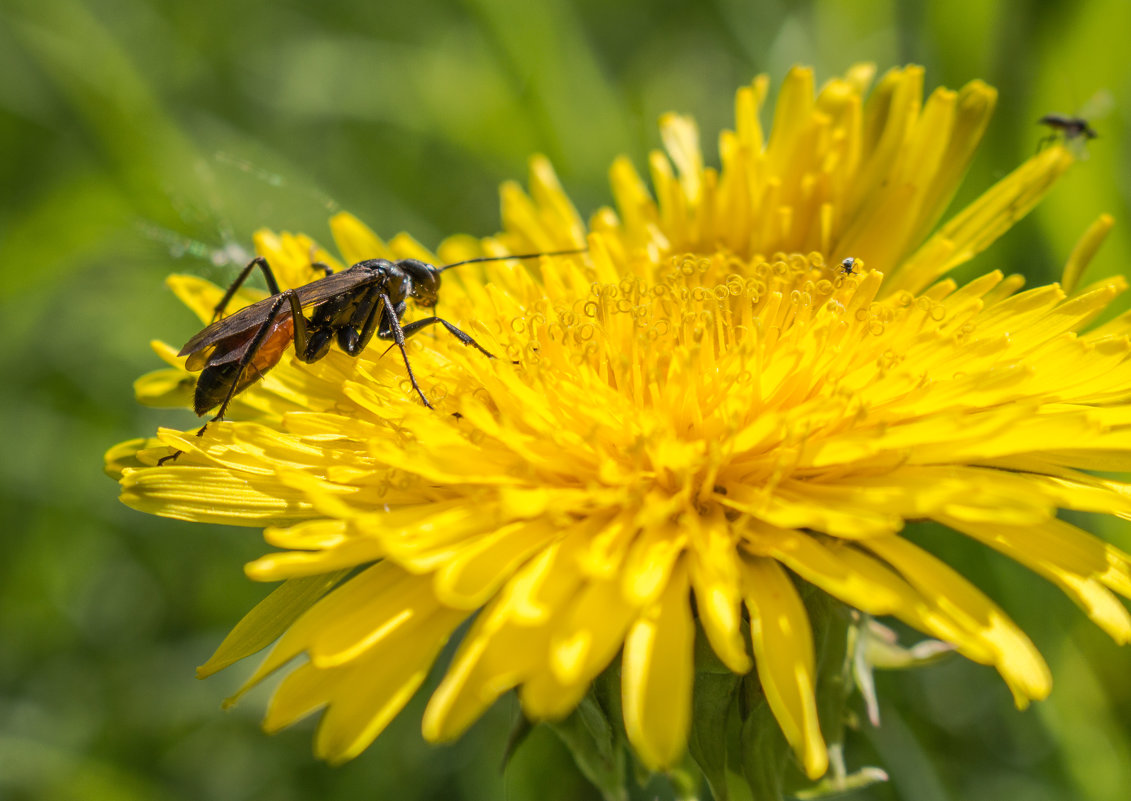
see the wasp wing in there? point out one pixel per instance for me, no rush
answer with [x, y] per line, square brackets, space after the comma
[256, 314]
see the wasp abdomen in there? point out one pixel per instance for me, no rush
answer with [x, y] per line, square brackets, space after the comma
[219, 373]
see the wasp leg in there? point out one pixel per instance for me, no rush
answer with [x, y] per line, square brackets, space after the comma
[268, 276]
[172, 457]
[398, 335]
[418, 325]
[384, 309]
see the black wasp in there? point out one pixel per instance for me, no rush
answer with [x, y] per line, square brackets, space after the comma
[348, 307]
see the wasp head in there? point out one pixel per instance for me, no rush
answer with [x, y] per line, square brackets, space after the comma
[423, 280]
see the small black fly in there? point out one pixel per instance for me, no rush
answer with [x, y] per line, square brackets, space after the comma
[1076, 130]
[1066, 128]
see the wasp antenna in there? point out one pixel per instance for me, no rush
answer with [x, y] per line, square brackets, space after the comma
[521, 256]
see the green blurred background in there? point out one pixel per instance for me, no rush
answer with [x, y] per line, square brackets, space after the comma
[141, 138]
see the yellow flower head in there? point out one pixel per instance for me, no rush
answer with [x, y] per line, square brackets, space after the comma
[707, 406]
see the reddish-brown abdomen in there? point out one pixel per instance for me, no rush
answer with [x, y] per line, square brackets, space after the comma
[223, 364]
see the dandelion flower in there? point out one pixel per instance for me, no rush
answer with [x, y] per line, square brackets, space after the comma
[691, 428]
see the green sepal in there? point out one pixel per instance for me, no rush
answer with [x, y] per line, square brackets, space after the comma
[519, 732]
[684, 779]
[595, 737]
[713, 706]
[763, 752]
[831, 786]
[267, 621]
[837, 627]
[706, 660]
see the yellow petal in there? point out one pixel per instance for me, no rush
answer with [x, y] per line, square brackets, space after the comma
[268, 620]
[657, 673]
[1067, 556]
[363, 695]
[1084, 251]
[1015, 657]
[715, 579]
[213, 496]
[502, 649]
[356, 240]
[783, 653]
[983, 221]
